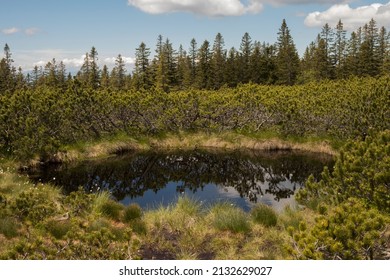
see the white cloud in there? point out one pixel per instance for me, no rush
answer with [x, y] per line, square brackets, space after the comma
[31, 31]
[298, 2]
[111, 60]
[212, 8]
[73, 62]
[10, 31]
[352, 18]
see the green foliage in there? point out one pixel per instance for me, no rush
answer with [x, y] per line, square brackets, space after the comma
[58, 229]
[264, 215]
[37, 122]
[349, 231]
[8, 227]
[361, 171]
[104, 205]
[132, 212]
[231, 218]
[33, 205]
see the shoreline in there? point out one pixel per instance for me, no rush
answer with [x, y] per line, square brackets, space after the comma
[185, 141]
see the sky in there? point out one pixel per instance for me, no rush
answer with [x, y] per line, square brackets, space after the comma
[40, 30]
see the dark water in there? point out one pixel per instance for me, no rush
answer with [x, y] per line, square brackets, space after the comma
[153, 179]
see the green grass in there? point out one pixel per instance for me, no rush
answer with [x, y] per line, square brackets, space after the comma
[8, 227]
[229, 217]
[132, 212]
[264, 215]
[58, 229]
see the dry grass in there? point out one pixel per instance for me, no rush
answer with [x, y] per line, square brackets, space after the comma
[190, 141]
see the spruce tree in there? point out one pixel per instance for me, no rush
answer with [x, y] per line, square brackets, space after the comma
[246, 49]
[218, 61]
[118, 77]
[105, 78]
[193, 55]
[339, 50]
[287, 57]
[204, 68]
[7, 79]
[142, 75]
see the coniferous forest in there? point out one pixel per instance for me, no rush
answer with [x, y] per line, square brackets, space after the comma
[336, 93]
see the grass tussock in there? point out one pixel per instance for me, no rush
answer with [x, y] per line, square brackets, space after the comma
[228, 217]
[8, 227]
[264, 215]
[132, 212]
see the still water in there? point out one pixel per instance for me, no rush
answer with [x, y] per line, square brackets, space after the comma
[158, 178]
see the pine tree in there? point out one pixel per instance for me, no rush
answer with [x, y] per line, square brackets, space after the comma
[7, 79]
[369, 57]
[232, 69]
[118, 77]
[287, 57]
[384, 49]
[105, 78]
[20, 81]
[308, 70]
[171, 65]
[142, 74]
[193, 54]
[183, 69]
[94, 76]
[246, 49]
[322, 65]
[204, 66]
[353, 50]
[339, 50]
[50, 73]
[218, 61]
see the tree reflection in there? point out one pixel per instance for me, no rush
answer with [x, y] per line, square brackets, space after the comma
[251, 174]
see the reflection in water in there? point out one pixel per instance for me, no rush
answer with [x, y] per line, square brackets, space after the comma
[152, 179]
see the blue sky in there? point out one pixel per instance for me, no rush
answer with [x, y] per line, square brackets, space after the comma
[39, 30]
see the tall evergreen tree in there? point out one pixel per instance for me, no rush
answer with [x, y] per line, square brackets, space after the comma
[218, 61]
[308, 70]
[322, 67]
[339, 50]
[246, 49]
[183, 69]
[118, 77]
[352, 59]
[94, 76]
[287, 57]
[193, 55]
[232, 69]
[142, 73]
[105, 78]
[7, 79]
[204, 67]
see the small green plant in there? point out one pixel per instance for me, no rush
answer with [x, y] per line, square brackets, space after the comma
[264, 215]
[132, 212]
[58, 229]
[111, 209]
[229, 217]
[8, 227]
[187, 206]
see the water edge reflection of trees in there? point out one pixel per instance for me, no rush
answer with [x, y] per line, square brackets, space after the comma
[251, 173]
